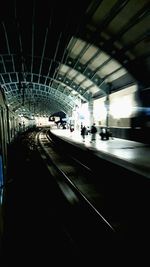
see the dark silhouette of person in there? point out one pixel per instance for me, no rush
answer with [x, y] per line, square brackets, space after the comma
[93, 132]
[83, 133]
[105, 133]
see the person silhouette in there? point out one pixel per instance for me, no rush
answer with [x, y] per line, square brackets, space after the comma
[83, 133]
[93, 132]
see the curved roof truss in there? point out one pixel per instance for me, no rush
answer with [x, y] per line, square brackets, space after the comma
[60, 59]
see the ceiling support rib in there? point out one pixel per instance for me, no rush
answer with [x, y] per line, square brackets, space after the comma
[6, 37]
[43, 52]
[32, 43]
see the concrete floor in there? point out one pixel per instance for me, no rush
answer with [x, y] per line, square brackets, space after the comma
[132, 155]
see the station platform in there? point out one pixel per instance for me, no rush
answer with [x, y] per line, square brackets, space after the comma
[134, 156]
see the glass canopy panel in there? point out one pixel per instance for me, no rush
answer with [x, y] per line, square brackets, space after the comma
[92, 50]
[87, 83]
[94, 89]
[111, 66]
[77, 48]
[63, 69]
[79, 78]
[116, 75]
[99, 60]
[72, 73]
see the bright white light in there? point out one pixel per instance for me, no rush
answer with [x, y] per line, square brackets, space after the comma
[42, 121]
[121, 108]
[122, 103]
[99, 109]
[83, 114]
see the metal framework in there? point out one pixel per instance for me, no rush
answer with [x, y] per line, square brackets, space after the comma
[51, 59]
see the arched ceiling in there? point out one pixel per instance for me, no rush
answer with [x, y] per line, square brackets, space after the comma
[55, 54]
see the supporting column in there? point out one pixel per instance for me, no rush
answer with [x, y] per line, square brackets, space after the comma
[107, 102]
[90, 107]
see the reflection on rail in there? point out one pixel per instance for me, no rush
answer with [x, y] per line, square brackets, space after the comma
[71, 192]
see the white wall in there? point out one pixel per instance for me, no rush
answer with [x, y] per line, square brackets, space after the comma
[122, 105]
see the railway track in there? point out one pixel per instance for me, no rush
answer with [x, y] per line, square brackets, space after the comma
[87, 225]
[85, 218]
[75, 173]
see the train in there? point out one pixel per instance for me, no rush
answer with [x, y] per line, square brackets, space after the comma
[11, 125]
